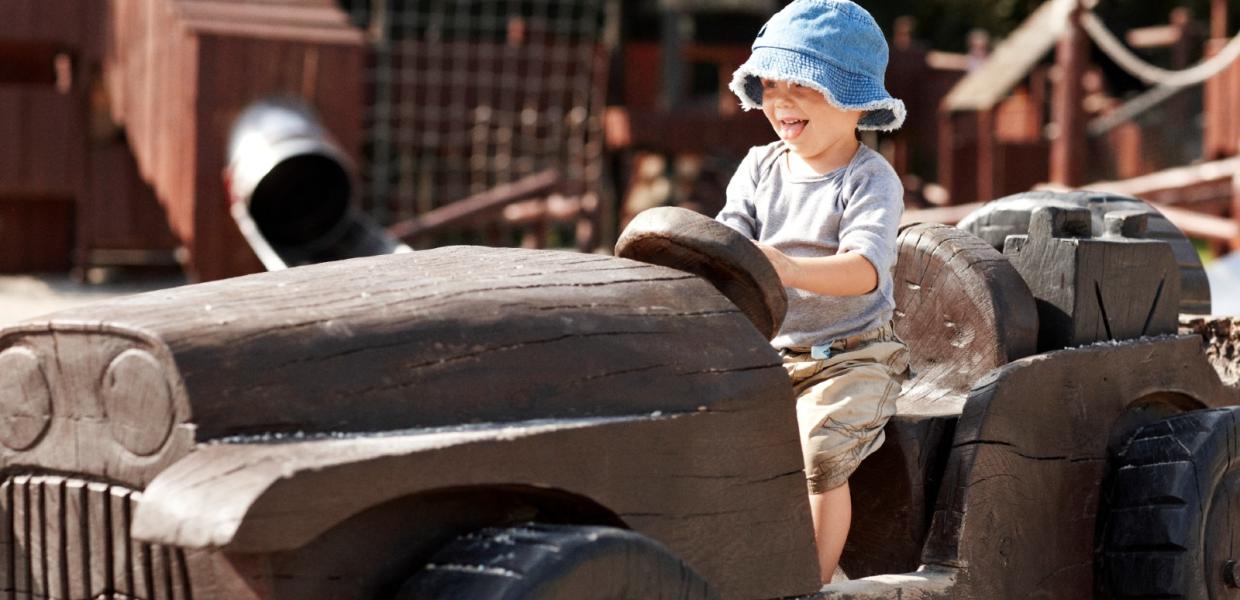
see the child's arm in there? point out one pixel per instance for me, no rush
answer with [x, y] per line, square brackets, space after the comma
[738, 211]
[846, 274]
[868, 229]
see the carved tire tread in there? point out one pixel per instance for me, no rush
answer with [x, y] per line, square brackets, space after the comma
[1166, 481]
[554, 562]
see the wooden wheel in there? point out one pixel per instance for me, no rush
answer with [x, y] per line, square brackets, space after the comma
[963, 309]
[688, 241]
[1172, 527]
[555, 562]
[996, 220]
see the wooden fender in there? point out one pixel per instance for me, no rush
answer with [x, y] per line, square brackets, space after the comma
[1016, 514]
[1018, 507]
[723, 490]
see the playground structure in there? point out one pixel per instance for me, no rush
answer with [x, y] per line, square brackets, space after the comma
[512, 151]
[411, 425]
[993, 134]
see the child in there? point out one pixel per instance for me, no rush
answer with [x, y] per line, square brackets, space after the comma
[825, 210]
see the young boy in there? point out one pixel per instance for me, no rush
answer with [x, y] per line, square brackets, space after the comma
[825, 210]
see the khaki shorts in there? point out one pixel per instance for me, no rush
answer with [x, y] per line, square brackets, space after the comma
[844, 401]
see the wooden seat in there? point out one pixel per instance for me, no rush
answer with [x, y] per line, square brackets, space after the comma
[963, 310]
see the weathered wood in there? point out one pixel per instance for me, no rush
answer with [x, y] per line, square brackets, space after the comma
[383, 344]
[74, 542]
[726, 508]
[1021, 500]
[19, 517]
[54, 534]
[1110, 288]
[82, 436]
[354, 339]
[893, 494]
[964, 311]
[995, 221]
[687, 241]
[76, 530]
[99, 542]
[119, 511]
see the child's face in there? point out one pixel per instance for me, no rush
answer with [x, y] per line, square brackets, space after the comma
[804, 119]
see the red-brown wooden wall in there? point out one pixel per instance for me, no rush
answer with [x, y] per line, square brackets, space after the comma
[180, 71]
[70, 193]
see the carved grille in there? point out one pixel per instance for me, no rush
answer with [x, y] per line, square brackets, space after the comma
[69, 538]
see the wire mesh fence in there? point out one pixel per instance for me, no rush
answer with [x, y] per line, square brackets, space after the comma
[465, 95]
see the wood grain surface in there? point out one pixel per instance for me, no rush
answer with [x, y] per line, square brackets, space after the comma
[1018, 507]
[366, 376]
[1091, 289]
[412, 341]
[964, 311]
[687, 241]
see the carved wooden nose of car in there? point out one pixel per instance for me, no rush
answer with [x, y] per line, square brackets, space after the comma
[688, 241]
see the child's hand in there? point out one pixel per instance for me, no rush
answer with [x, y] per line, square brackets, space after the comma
[783, 265]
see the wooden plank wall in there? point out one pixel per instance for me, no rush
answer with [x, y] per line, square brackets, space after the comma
[180, 71]
[68, 189]
[40, 142]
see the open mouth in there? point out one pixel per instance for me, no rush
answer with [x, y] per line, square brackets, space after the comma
[790, 129]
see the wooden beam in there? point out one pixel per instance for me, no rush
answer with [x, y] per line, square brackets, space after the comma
[1158, 36]
[989, 164]
[1200, 225]
[487, 202]
[1068, 146]
[1218, 19]
[1174, 186]
[1235, 212]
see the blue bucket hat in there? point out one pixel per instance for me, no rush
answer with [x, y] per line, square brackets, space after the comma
[833, 46]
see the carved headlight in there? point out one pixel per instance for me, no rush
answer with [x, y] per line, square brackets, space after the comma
[25, 399]
[138, 402]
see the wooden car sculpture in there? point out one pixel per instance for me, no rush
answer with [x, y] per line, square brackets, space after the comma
[502, 423]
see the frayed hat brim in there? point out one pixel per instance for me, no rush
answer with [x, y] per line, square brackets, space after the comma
[882, 111]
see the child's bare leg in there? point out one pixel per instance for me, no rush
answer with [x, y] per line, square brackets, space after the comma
[832, 515]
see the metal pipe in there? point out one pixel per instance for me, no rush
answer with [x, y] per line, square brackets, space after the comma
[292, 189]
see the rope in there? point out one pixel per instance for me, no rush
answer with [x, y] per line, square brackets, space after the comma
[1151, 74]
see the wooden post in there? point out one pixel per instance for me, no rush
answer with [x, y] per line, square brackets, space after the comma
[946, 168]
[1218, 19]
[989, 165]
[1068, 147]
[1218, 139]
[1235, 209]
[673, 62]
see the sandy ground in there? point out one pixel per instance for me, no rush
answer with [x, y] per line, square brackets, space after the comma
[26, 296]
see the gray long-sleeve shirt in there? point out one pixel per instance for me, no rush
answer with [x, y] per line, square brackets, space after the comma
[856, 208]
